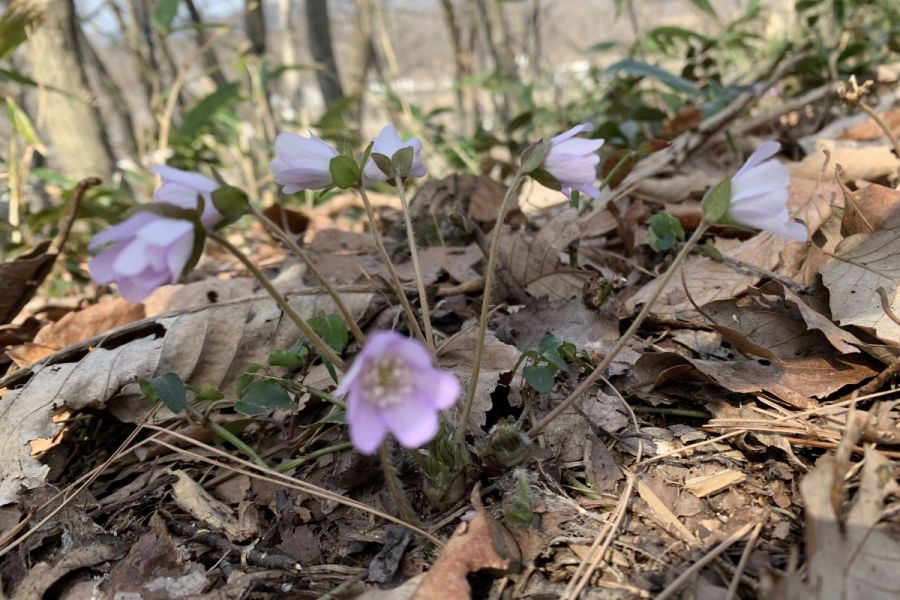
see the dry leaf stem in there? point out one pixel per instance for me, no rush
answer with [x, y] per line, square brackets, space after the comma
[322, 348]
[283, 235]
[597, 373]
[486, 305]
[389, 265]
[414, 256]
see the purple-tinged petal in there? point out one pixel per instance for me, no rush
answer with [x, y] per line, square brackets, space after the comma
[366, 427]
[136, 289]
[133, 260]
[122, 231]
[414, 423]
[763, 152]
[441, 388]
[762, 178]
[772, 201]
[179, 252]
[164, 231]
[578, 146]
[580, 128]
[101, 266]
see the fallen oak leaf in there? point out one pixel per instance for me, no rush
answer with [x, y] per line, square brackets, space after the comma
[22, 277]
[478, 544]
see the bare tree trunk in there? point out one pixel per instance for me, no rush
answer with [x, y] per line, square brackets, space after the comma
[210, 62]
[70, 121]
[132, 41]
[255, 24]
[498, 43]
[290, 79]
[462, 62]
[318, 28]
[115, 99]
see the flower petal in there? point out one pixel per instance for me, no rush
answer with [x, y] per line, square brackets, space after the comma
[366, 427]
[414, 423]
[764, 151]
[163, 232]
[101, 266]
[762, 178]
[773, 201]
[122, 231]
[579, 146]
[136, 289]
[580, 128]
[178, 254]
[132, 259]
[440, 387]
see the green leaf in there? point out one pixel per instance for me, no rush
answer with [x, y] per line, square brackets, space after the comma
[168, 389]
[164, 13]
[603, 46]
[548, 343]
[545, 179]
[14, 22]
[384, 164]
[287, 359]
[664, 231]
[205, 110]
[402, 161]
[232, 202]
[331, 329]
[246, 378]
[540, 378]
[534, 155]
[717, 201]
[12, 75]
[23, 125]
[344, 171]
[261, 397]
[639, 68]
[705, 6]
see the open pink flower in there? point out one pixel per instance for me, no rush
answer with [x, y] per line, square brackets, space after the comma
[759, 195]
[387, 143]
[181, 188]
[573, 161]
[147, 250]
[144, 252]
[302, 163]
[393, 387]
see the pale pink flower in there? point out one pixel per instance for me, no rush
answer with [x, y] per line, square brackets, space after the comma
[573, 161]
[181, 188]
[393, 387]
[302, 163]
[759, 195]
[144, 252]
[387, 143]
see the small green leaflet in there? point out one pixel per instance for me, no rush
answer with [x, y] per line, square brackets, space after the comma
[168, 389]
[262, 397]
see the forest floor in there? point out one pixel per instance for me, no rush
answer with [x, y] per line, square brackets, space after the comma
[743, 445]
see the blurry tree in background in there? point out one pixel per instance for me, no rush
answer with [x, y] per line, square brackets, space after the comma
[70, 120]
[113, 87]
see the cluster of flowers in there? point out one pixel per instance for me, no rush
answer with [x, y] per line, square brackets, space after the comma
[392, 385]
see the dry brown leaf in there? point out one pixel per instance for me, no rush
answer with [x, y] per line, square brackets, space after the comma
[200, 504]
[569, 320]
[870, 130]
[796, 382]
[872, 208]
[852, 557]
[456, 355]
[861, 264]
[708, 280]
[661, 509]
[172, 298]
[707, 485]
[344, 256]
[456, 261]
[864, 162]
[477, 544]
[75, 327]
[210, 345]
[764, 324]
[17, 277]
[44, 575]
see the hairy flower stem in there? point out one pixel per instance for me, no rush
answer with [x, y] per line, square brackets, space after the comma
[414, 255]
[322, 348]
[238, 443]
[282, 235]
[599, 372]
[395, 488]
[386, 259]
[485, 306]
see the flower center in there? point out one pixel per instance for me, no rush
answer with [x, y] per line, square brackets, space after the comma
[387, 382]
